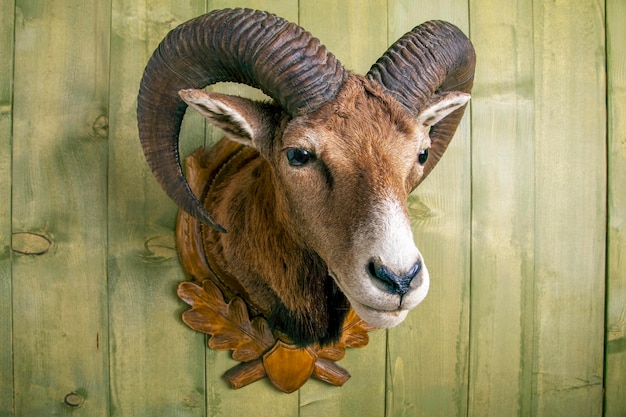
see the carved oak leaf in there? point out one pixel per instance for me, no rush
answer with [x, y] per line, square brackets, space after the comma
[354, 335]
[355, 331]
[228, 324]
[262, 355]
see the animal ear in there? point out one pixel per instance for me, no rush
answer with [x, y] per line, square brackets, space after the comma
[242, 120]
[440, 106]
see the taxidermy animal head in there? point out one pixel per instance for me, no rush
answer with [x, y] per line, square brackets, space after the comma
[310, 213]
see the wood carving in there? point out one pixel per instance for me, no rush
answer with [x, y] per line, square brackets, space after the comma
[226, 318]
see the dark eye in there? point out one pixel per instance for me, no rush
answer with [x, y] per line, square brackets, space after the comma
[298, 157]
[422, 157]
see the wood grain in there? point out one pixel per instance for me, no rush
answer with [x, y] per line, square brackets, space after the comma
[354, 31]
[513, 226]
[428, 353]
[570, 207]
[156, 364]
[615, 382]
[502, 210]
[59, 193]
[7, 9]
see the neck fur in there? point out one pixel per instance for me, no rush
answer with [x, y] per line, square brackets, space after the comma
[288, 282]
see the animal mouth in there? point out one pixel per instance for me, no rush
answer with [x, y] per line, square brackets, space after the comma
[381, 316]
[377, 310]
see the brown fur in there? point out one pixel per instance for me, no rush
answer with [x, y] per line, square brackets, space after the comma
[276, 243]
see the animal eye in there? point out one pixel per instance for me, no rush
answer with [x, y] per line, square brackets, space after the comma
[422, 157]
[298, 157]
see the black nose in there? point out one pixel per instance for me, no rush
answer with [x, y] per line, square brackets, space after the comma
[397, 284]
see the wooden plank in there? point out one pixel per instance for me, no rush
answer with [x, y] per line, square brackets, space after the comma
[264, 399]
[355, 32]
[428, 353]
[7, 14]
[570, 207]
[615, 382]
[59, 208]
[502, 210]
[157, 363]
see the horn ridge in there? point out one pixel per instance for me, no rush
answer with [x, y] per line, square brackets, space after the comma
[432, 58]
[239, 45]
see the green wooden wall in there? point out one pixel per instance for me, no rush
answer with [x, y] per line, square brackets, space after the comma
[523, 223]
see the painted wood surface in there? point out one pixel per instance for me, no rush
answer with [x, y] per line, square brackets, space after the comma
[145, 339]
[503, 180]
[570, 213]
[521, 224]
[58, 265]
[6, 110]
[615, 366]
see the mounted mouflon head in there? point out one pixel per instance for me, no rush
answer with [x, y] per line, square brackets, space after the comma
[310, 215]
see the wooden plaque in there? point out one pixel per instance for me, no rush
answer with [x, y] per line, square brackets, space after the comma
[219, 309]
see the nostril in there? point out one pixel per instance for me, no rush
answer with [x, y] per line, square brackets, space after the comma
[414, 270]
[398, 284]
[371, 268]
[379, 271]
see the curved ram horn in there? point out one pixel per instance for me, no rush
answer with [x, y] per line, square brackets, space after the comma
[237, 45]
[434, 57]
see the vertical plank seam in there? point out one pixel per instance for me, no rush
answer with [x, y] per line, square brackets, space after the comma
[10, 144]
[108, 228]
[530, 322]
[471, 240]
[607, 207]
[531, 354]
[386, 397]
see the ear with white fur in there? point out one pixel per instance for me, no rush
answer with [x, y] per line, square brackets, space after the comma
[440, 106]
[242, 120]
